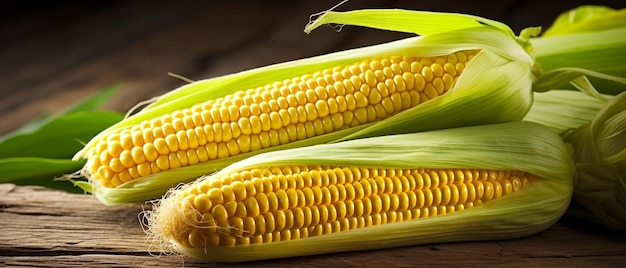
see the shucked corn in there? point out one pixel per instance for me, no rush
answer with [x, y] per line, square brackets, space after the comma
[278, 113]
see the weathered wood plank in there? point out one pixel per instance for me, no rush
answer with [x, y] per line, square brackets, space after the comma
[41, 227]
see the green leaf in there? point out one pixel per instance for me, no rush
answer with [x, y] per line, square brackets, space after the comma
[409, 21]
[601, 52]
[42, 149]
[587, 19]
[59, 137]
[39, 171]
[89, 104]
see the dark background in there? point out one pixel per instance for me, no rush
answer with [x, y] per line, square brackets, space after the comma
[53, 53]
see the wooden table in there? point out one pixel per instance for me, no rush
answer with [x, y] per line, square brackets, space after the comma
[53, 55]
[42, 227]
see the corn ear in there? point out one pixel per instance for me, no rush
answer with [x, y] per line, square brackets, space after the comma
[495, 86]
[600, 161]
[177, 224]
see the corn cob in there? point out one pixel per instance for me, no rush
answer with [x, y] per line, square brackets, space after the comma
[460, 63]
[474, 183]
[274, 114]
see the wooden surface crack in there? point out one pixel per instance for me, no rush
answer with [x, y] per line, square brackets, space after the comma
[46, 252]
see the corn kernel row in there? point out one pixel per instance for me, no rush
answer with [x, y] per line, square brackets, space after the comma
[277, 113]
[261, 205]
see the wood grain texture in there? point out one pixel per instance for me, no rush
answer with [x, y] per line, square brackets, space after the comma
[41, 227]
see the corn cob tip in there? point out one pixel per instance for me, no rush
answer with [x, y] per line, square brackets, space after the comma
[161, 234]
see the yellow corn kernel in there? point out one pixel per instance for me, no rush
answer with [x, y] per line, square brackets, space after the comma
[249, 120]
[357, 198]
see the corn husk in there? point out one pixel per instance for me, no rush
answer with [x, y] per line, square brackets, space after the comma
[589, 37]
[510, 146]
[564, 110]
[587, 18]
[600, 161]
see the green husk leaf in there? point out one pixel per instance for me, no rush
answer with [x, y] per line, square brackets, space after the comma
[576, 76]
[88, 104]
[601, 52]
[563, 110]
[409, 21]
[589, 37]
[600, 159]
[59, 137]
[587, 18]
[39, 171]
[42, 149]
[518, 145]
[16, 168]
